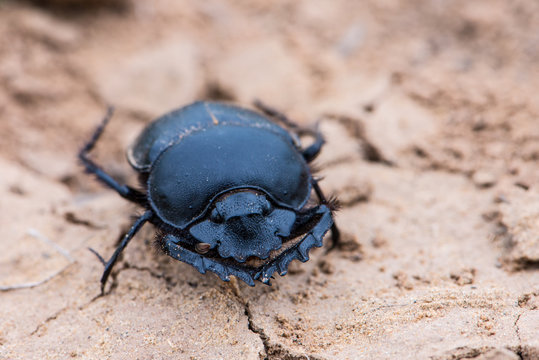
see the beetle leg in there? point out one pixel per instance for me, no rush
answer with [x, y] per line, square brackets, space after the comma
[300, 251]
[127, 237]
[91, 167]
[172, 246]
[311, 152]
[305, 221]
[276, 114]
[313, 224]
[335, 233]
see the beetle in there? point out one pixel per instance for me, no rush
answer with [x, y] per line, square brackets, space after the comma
[228, 188]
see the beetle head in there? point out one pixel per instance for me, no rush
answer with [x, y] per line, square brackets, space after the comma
[243, 224]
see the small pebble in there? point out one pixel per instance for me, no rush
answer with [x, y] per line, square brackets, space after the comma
[484, 179]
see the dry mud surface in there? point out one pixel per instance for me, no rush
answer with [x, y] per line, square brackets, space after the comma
[431, 115]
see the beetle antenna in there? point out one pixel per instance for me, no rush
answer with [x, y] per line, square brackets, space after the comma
[275, 114]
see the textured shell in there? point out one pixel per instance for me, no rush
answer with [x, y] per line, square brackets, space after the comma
[172, 127]
[206, 149]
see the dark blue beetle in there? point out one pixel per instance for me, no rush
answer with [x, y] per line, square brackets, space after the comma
[227, 187]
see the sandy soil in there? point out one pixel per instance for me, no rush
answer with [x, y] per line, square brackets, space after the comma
[431, 113]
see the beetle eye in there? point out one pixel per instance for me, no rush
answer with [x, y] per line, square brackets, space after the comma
[266, 208]
[202, 248]
[216, 216]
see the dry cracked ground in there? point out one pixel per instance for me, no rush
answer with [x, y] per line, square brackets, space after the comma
[431, 116]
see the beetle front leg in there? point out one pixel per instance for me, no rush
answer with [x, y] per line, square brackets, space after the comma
[312, 224]
[127, 238]
[335, 233]
[311, 152]
[178, 248]
[319, 220]
[91, 167]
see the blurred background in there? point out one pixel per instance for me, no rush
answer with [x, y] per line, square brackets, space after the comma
[472, 64]
[431, 115]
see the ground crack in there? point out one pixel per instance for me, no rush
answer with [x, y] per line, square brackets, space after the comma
[47, 320]
[127, 266]
[235, 290]
[144, 269]
[273, 351]
[355, 128]
[72, 218]
[517, 330]
[519, 350]
[257, 330]
[161, 276]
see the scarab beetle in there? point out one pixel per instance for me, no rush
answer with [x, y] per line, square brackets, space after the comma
[229, 189]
